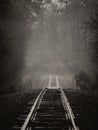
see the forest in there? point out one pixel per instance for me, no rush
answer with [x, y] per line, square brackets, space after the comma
[39, 33]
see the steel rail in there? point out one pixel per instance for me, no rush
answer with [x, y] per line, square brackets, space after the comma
[38, 99]
[65, 102]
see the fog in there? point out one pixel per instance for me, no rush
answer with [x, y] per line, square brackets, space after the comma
[56, 43]
[43, 37]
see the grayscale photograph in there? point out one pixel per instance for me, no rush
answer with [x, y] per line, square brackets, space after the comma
[48, 64]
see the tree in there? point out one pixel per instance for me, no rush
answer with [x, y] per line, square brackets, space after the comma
[83, 80]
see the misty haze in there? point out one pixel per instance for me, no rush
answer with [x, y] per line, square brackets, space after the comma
[51, 45]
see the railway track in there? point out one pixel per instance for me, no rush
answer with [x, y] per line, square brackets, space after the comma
[51, 111]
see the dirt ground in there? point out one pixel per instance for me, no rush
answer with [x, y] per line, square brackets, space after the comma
[83, 103]
[11, 105]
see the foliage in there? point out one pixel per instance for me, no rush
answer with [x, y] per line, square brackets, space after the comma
[44, 18]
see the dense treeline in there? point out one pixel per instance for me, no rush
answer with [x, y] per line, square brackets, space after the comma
[93, 26]
[75, 18]
[16, 18]
[91, 37]
[12, 41]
